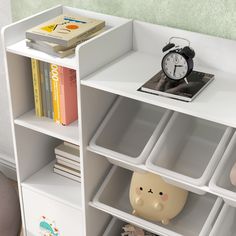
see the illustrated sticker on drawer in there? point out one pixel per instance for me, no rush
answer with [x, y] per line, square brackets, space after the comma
[48, 227]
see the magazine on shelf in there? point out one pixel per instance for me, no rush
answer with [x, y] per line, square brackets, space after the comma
[180, 90]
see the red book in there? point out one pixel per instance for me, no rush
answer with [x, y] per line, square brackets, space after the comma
[68, 95]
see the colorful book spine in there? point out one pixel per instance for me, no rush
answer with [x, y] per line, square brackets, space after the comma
[37, 87]
[48, 89]
[43, 87]
[55, 92]
[68, 95]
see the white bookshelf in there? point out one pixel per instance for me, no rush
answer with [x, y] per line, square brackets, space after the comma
[115, 63]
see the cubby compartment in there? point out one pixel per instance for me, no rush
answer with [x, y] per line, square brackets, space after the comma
[220, 182]
[196, 218]
[189, 150]
[129, 131]
[45, 216]
[115, 226]
[225, 223]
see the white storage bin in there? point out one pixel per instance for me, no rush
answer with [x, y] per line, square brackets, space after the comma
[189, 150]
[220, 181]
[196, 218]
[225, 223]
[40, 209]
[114, 228]
[129, 131]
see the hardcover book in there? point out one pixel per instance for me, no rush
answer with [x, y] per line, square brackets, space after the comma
[67, 160]
[68, 175]
[184, 90]
[65, 30]
[68, 152]
[68, 95]
[37, 87]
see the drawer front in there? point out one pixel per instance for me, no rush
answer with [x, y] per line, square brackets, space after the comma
[47, 217]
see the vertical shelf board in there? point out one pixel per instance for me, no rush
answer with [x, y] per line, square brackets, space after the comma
[93, 106]
[54, 186]
[69, 133]
[131, 71]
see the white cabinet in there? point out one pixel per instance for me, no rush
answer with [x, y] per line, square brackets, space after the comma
[120, 126]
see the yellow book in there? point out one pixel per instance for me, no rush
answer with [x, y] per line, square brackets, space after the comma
[55, 80]
[65, 30]
[37, 87]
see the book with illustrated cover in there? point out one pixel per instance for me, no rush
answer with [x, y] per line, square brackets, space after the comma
[65, 30]
[180, 90]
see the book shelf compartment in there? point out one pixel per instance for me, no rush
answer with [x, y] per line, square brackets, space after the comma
[129, 131]
[189, 149]
[196, 218]
[54, 186]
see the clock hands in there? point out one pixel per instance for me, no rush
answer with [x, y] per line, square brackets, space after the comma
[176, 67]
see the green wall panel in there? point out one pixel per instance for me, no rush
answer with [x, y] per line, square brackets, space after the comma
[214, 17]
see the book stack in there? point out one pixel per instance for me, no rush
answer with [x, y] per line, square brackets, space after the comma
[55, 92]
[59, 36]
[68, 161]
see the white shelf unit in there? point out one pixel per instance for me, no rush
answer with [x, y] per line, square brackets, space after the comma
[115, 63]
[42, 192]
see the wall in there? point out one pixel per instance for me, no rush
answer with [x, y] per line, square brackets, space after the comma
[215, 17]
[6, 144]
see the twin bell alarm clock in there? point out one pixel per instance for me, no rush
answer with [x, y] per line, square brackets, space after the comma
[177, 63]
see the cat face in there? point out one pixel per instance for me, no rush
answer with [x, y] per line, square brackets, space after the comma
[154, 199]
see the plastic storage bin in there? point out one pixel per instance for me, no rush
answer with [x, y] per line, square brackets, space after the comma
[114, 228]
[220, 181]
[42, 216]
[129, 131]
[225, 223]
[189, 150]
[196, 218]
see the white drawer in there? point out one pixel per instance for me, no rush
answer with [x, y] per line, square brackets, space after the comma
[50, 214]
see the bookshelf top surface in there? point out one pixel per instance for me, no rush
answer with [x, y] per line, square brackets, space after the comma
[129, 72]
[60, 188]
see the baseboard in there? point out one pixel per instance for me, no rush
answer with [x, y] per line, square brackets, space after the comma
[7, 166]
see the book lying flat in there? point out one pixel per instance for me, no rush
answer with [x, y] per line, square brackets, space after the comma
[60, 53]
[67, 169]
[51, 48]
[65, 30]
[182, 90]
[72, 162]
[68, 164]
[68, 175]
[68, 152]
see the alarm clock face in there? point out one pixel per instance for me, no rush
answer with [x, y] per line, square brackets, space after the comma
[175, 66]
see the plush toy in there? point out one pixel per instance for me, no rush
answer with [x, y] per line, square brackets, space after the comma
[154, 199]
[10, 221]
[233, 175]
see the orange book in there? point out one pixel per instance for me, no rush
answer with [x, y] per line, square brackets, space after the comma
[68, 95]
[55, 80]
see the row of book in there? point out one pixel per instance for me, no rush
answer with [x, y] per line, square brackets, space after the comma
[55, 92]
[59, 36]
[68, 161]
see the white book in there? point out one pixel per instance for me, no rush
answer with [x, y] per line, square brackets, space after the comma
[72, 145]
[61, 158]
[64, 163]
[68, 175]
[67, 169]
[68, 152]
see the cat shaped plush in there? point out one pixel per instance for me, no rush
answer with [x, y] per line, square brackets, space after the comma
[154, 199]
